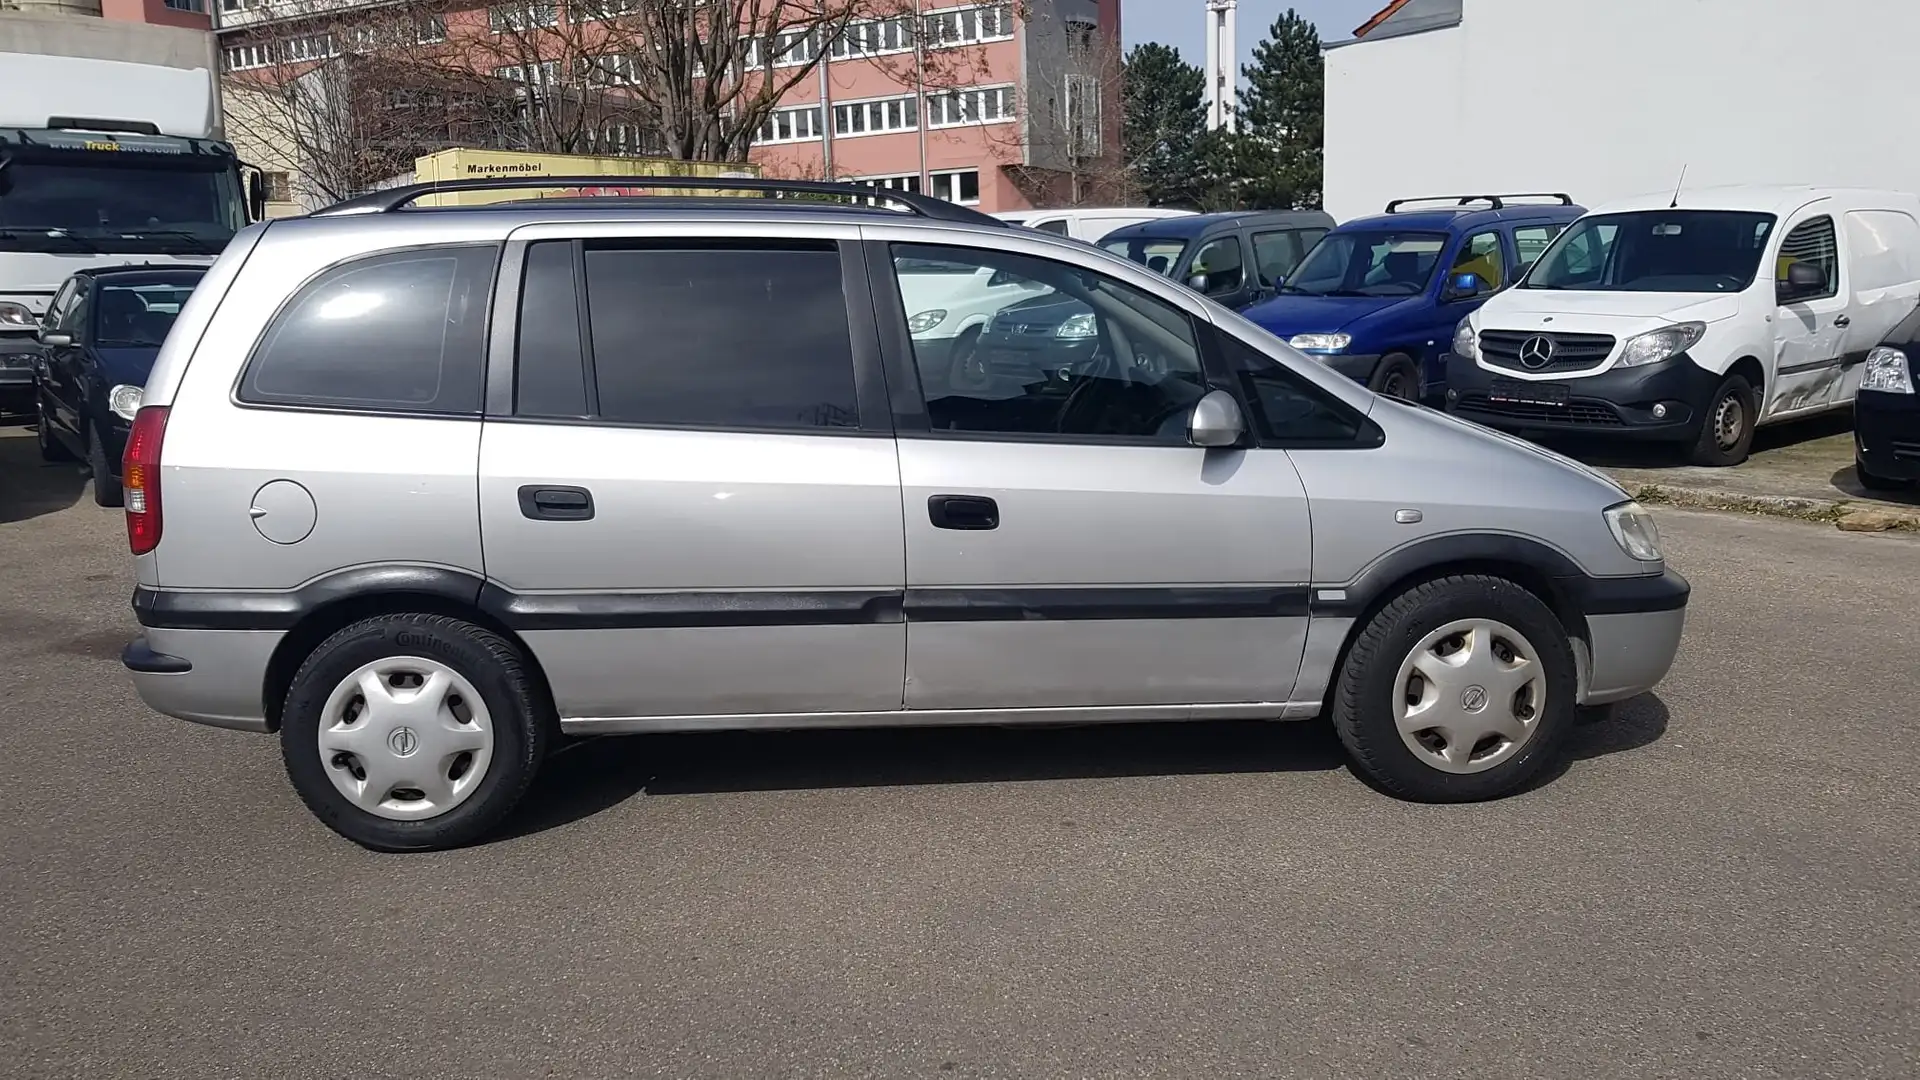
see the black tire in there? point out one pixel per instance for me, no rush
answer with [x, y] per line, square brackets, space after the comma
[1732, 405]
[961, 367]
[523, 723]
[1875, 483]
[1396, 376]
[51, 448]
[1363, 707]
[106, 490]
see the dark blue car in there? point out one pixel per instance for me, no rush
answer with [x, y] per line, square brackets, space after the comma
[98, 342]
[1379, 297]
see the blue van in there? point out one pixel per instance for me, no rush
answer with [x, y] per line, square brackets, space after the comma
[1371, 299]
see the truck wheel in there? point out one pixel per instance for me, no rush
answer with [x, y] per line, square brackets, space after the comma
[1397, 377]
[1460, 689]
[413, 732]
[1726, 427]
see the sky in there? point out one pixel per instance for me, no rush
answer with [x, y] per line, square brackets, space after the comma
[1182, 23]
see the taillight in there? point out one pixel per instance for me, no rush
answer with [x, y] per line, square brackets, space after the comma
[140, 475]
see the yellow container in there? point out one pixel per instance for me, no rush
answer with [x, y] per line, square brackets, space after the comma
[464, 164]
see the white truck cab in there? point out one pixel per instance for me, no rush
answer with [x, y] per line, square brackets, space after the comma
[1693, 318]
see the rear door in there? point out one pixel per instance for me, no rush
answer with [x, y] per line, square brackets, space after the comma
[689, 497]
[1810, 324]
[1066, 547]
[1883, 261]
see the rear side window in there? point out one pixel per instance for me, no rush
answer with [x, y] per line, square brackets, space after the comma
[403, 331]
[1057, 227]
[727, 337]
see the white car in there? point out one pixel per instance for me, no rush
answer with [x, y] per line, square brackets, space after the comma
[952, 302]
[1693, 318]
[1087, 223]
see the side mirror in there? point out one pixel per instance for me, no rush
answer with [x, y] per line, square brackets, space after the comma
[256, 185]
[1463, 286]
[1216, 421]
[55, 339]
[1198, 283]
[1803, 279]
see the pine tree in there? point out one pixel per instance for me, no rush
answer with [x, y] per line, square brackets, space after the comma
[1165, 119]
[1282, 118]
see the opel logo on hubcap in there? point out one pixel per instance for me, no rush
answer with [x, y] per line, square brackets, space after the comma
[1472, 699]
[403, 741]
[1537, 351]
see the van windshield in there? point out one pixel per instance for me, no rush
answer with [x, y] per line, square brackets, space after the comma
[1682, 251]
[1157, 254]
[1367, 262]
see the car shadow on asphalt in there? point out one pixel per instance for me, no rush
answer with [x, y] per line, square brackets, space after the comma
[593, 775]
[29, 487]
[1848, 481]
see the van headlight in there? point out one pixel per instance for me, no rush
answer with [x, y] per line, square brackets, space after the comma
[1662, 344]
[926, 320]
[1633, 529]
[123, 401]
[1888, 372]
[1321, 343]
[1466, 344]
[16, 316]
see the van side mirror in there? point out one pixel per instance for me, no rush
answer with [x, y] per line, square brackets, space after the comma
[1463, 286]
[1216, 421]
[55, 339]
[1198, 283]
[1803, 279]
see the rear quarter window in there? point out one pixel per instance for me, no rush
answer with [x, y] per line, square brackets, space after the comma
[401, 331]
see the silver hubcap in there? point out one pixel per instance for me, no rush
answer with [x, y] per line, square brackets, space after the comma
[1728, 419]
[406, 738]
[1469, 696]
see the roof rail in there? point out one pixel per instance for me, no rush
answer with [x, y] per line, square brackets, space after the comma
[1496, 202]
[391, 199]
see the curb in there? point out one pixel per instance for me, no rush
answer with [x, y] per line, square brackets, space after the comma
[1847, 515]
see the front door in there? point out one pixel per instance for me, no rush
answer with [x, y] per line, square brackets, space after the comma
[684, 507]
[1810, 323]
[1066, 546]
[1223, 261]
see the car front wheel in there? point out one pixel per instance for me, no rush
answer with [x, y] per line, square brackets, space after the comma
[1460, 689]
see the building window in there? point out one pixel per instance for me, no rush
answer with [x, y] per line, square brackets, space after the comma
[430, 29]
[875, 117]
[244, 57]
[908, 182]
[278, 186]
[612, 69]
[544, 75]
[623, 138]
[186, 5]
[988, 105]
[521, 16]
[238, 5]
[874, 37]
[589, 10]
[791, 48]
[966, 26]
[958, 186]
[800, 123]
[310, 47]
[1083, 116]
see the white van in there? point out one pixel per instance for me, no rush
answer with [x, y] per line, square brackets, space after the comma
[1693, 319]
[1085, 222]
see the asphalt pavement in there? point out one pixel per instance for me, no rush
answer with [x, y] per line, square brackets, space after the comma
[1722, 883]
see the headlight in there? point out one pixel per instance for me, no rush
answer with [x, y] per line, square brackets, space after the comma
[1320, 342]
[926, 320]
[124, 401]
[1078, 327]
[1634, 530]
[1466, 344]
[1887, 372]
[1662, 344]
[15, 316]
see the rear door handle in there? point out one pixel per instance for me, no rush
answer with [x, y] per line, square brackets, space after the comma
[1844, 320]
[556, 503]
[972, 513]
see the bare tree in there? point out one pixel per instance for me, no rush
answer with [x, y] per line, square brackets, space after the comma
[1068, 140]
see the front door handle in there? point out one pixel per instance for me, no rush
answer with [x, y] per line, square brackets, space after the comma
[1844, 320]
[556, 503]
[972, 513]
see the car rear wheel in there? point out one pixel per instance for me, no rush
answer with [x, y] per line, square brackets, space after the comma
[1396, 377]
[413, 732]
[1726, 427]
[106, 490]
[1460, 689]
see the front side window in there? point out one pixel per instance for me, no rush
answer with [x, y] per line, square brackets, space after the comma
[137, 316]
[1277, 253]
[1220, 261]
[1039, 348]
[1286, 410]
[1679, 251]
[1811, 242]
[1057, 227]
[723, 337]
[1159, 256]
[1368, 263]
[1481, 257]
[403, 331]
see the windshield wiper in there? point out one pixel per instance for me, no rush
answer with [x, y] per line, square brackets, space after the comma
[200, 246]
[51, 234]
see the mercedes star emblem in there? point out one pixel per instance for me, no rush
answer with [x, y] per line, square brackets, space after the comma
[1537, 351]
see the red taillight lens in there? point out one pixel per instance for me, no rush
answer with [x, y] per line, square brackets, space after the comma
[140, 474]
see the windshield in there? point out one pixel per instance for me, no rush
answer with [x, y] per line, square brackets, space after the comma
[77, 203]
[1685, 251]
[1368, 263]
[1155, 253]
[137, 316]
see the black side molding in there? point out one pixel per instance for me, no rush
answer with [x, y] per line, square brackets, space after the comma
[637, 611]
[188, 610]
[139, 656]
[1585, 594]
[1175, 602]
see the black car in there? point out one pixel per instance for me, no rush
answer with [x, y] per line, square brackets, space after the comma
[1886, 414]
[98, 343]
[1237, 258]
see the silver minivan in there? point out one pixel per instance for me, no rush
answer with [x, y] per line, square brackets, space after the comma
[427, 491]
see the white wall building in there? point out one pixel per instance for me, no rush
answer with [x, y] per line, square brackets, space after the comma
[1607, 98]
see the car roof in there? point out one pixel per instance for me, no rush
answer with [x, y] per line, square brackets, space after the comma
[1750, 198]
[1191, 225]
[1463, 218]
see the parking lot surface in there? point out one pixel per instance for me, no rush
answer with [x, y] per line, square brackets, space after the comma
[1722, 883]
